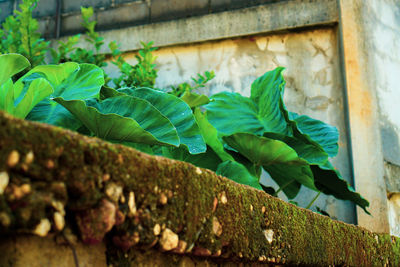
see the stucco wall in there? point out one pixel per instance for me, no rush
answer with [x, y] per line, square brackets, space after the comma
[383, 20]
[312, 73]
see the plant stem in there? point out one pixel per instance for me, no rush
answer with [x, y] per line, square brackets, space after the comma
[313, 200]
[283, 187]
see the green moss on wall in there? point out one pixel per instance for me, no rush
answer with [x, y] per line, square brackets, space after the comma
[148, 202]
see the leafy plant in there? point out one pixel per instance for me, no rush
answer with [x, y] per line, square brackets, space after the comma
[143, 74]
[19, 34]
[21, 97]
[293, 149]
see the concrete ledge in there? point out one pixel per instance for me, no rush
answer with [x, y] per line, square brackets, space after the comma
[53, 180]
[248, 21]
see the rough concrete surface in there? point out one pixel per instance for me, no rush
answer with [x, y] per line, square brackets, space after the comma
[131, 200]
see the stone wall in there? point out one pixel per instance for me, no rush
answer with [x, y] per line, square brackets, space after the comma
[112, 14]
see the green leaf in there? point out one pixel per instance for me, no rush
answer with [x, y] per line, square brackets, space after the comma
[69, 83]
[208, 160]
[11, 64]
[7, 96]
[232, 113]
[178, 112]
[330, 182]
[238, 173]
[210, 136]
[286, 177]
[38, 90]
[107, 92]
[267, 92]
[194, 100]
[311, 153]
[123, 119]
[262, 150]
[277, 158]
[317, 132]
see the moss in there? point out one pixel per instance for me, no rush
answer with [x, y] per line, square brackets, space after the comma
[75, 172]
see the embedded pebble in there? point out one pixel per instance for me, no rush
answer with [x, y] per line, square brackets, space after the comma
[50, 164]
[217, 228]
[4, 180]
[180, 249]
[163, 199]
[29, 157]
[59, 221]
[169, 240]
[269, 235]
[113, 191]
[223, 198]
[215, 204]
[131, 204]
[13, 158]
[198, 170]
[42, 228]
[157, 229]
[263, 209]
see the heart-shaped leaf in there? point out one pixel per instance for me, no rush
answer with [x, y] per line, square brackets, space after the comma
[11, 64]
[123, 119]
[69, 83]
[178, 112]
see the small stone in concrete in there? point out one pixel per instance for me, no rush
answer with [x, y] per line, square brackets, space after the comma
[29, 157]
[169, 240]
[114, 191]
[13, 158]
[131, 204]
[217, 228]
[157, 229]
[42, 228]
[269, 235]
[59, 221]
[4, 180]
[163, 199]
[223, 198]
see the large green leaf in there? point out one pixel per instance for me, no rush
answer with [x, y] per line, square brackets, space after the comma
[280, 160]
[238, 173]
[311, 153]
[178, 112]
[123, 119]
[38, 90]
[210, 135]
[7, 96]
[208, 160]
[317, 132]
[79, 84]
[194, 100]
[232, 113]
[330, 182]
[266, 92]
[262, 150]
[11, 64]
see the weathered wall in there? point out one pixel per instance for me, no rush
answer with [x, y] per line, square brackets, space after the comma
[383, 21]
[312, 73]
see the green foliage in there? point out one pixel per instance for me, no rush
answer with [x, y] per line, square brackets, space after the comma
[143, 74]
[19, 34]
[187, 88]
[21, 97]
[293, 149]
